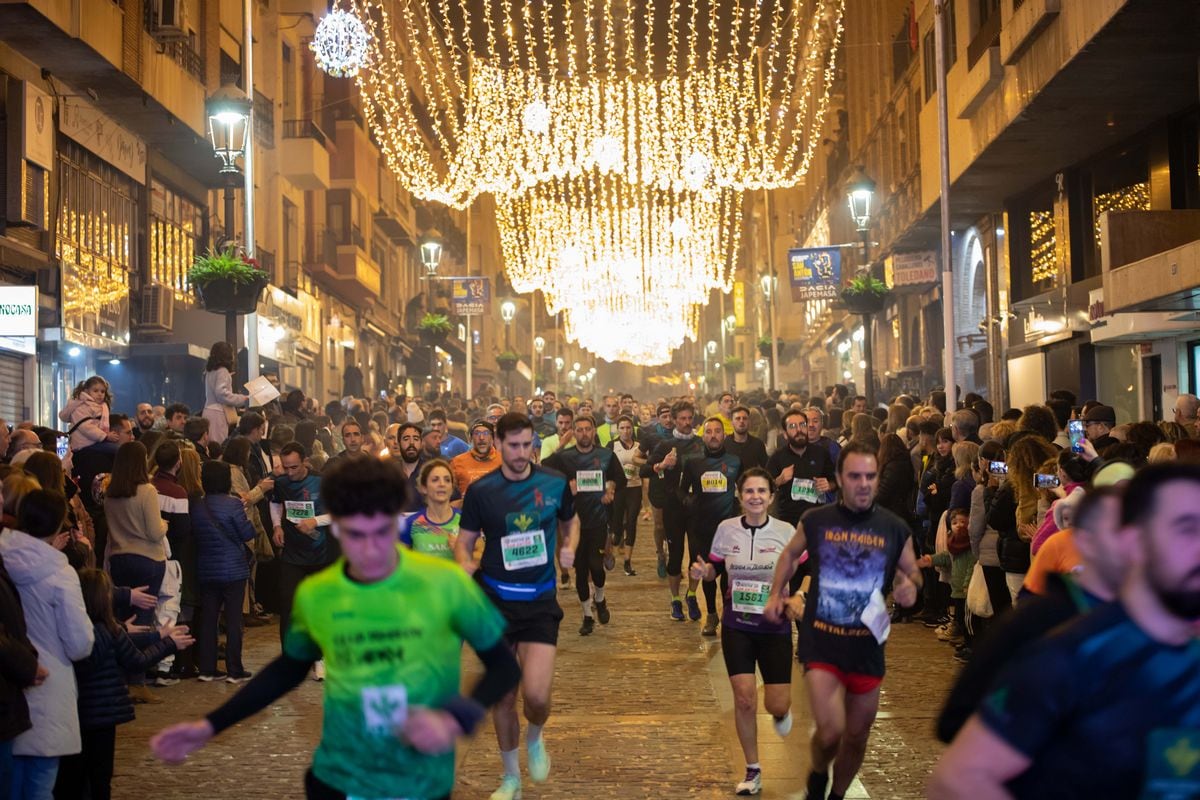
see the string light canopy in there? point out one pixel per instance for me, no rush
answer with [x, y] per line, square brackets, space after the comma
[473, 97]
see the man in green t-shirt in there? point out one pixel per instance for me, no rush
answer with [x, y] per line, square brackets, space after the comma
[389, 624]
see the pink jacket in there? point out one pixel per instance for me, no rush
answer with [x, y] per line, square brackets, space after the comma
[95, 421]
[1049, 527]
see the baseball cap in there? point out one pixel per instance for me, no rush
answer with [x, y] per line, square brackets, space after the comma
[1112, 473]
[1106, 414]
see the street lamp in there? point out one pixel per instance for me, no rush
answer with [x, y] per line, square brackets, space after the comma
[710, 348]
[508, 312]
[770, 284]
[860, 195]
[228, 128]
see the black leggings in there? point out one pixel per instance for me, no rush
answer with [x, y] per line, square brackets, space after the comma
[89, 772]
[675, 529]
[626, 506]
[316, 789]
[700, 538]
[589, 560]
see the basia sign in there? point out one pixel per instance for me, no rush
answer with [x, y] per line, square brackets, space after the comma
[816, 272]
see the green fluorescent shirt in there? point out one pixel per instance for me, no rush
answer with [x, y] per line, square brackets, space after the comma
[388, 647]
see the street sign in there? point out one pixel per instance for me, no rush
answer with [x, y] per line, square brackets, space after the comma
[816, 272]
[470, 295]
[911, 269]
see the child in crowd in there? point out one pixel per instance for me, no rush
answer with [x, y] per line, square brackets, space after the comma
[87, 414]
[958, 558]
[104, 701]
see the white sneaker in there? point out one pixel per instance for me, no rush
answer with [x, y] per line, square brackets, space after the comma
[752, 784]
[510, 789]
[783, 725]
[318, 671]
[539, 760]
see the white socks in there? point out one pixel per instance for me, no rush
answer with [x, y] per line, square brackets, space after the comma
[598, 594]
[532, 734]
[512, 764]
[587, 607]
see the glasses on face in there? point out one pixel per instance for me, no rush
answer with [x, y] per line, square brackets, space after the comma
[795, 426]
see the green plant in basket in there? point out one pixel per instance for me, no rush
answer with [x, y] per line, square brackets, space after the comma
[227, 264]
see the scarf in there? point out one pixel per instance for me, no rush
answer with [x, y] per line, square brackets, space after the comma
[958, 544]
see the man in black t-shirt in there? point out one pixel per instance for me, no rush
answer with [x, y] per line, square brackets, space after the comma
[743, 444]
[802, 471]
[1108, 706]
[855, 549]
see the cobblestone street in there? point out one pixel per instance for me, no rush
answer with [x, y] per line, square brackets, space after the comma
[642, 708]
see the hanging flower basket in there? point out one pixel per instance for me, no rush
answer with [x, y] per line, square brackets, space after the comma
[507, 361]
[733, 363]
[225, 282]
[433, 329]
[865, 295]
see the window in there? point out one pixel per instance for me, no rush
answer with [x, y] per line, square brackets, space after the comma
[95, 242]
[176, 235]
[986, 32]
[929, 57]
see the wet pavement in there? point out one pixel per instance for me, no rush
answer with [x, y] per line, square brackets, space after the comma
[642, 708]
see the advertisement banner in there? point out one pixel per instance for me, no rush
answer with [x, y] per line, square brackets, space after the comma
[816, 273]
[739, 304]
[470, 296]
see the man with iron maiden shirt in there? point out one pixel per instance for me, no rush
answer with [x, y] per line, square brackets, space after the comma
[855, 548]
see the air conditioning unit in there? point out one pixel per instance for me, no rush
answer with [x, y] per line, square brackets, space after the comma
[169, 21]
[27, 198]
[158, 308]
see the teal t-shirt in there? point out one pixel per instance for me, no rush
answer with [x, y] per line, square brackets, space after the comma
[431, 538]
[388, 647]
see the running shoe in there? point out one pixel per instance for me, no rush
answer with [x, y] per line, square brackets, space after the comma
[587, 627]
[318, 671]
[510, 789]
[752, 784]
[938, 622]
[710, 626]
[564, 581]
[629, 571]
[602, 614]
[677, 610]
[693, 608]
[238, 678]
[209, 677]
[164, 679]
[539, 760]
[783, 725]
[662, 566]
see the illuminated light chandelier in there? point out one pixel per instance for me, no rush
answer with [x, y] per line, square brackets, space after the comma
[340, 44]
[474, 97]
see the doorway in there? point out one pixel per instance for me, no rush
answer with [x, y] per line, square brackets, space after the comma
[1152, 388]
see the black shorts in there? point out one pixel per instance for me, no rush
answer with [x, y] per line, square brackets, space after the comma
[316, 789]
[533, 621]
[771, 652]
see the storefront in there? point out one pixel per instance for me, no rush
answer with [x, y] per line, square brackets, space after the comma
[18, 344]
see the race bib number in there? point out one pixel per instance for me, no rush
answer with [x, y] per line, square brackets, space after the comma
[875, 616]
[385, 708]
[589, 480]
[713, 482]
[524, 549]
[1172, 764]
[749, 597]
[296, 510]
[804, 489]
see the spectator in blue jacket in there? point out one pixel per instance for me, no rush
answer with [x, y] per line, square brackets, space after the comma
[221, 530]
[104, 701]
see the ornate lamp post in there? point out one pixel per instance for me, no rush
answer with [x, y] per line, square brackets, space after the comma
[769, 284]
[508, 312]
[860, 195]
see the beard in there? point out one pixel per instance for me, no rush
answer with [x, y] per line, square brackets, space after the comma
[410, 455]
[1181, 602]
[799, 440]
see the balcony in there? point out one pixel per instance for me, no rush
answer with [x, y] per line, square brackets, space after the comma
[982, 76]
[344, 267]
[1028, 19]
[395, 218]
[304, 159]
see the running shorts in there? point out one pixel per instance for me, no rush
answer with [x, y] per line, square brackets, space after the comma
[770, 652]
[533, 621]
[855, 682]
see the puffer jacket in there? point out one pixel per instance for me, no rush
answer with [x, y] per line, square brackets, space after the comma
[221, 530]
[18, 661]
[58, 626]
[103, 696]
[1002, 516]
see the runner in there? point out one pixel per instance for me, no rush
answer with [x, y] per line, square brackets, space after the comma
[855, 549]
[629, 500]
[518, 509]
[749, 448]
[391, 624]
[606, 429]
[1108, 705]
[410, 458]
[434, 529]
[667, 462]
[746, 549]
[595, 476]
[302, 529]
[654, 489]
[711, 482]
[481, 459]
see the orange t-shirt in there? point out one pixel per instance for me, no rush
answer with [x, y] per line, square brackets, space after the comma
[467, 469]
[1057, 555]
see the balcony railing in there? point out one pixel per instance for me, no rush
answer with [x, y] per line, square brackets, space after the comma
[264, 120]
[303, 129]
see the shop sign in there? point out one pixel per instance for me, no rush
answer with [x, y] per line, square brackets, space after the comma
[1095, 305]
[910, 269]
[37, 144]
[816, 273]
[739, 304]
[108, 140]
[18, 311]
[470, 296]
